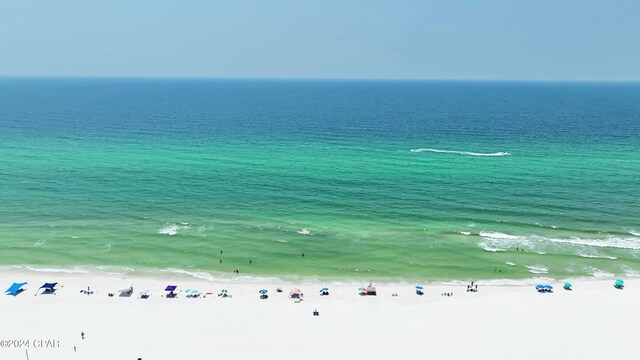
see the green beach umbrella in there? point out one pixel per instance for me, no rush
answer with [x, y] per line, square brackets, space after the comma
[567, 284]
[223, 291]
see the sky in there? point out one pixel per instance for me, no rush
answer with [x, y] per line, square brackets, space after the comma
[353, 39]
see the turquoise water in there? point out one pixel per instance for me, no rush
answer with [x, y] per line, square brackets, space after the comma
[166, 174]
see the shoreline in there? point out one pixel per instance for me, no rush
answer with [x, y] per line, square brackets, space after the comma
[205, 276]
[212, 277]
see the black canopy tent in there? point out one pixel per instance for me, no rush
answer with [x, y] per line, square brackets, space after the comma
[49, 288]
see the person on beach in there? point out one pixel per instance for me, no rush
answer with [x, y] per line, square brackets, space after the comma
[82, 334]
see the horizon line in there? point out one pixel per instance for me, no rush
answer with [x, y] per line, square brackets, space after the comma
[399, 79]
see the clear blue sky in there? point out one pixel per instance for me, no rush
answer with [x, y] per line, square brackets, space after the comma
[422, 39]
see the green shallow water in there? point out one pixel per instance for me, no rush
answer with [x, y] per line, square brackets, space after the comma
[268, 181]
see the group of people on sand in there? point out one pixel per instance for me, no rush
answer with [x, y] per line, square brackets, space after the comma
[472, 287]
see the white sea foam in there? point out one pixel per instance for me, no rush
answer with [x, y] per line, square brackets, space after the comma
[634, 233]
[490, 249]
[497, 235]
[466, 233]
[510, 263]
[610, 242]
[504, 241]
[196, 274]
[304, 231]
[172, 229]
[501, 153]
[595, 272]
[74, 270]
[628, 271]
[596, 256]
[537, 269]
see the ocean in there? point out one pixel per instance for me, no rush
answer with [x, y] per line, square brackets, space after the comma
[375, 180]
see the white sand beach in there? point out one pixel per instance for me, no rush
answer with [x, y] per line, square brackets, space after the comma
[594, 321]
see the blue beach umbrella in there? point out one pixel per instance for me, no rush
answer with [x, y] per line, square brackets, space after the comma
[539, 287]
[419, 287]
[548, 287]
[263, 291]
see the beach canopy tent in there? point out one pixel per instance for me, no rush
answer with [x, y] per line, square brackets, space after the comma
[295, 294]
[371, 290]
[15, 289]
[126, 292]
[48, 288]
[171, 289]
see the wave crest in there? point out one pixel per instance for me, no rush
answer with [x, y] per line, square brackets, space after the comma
[501, 153]
[172, 229]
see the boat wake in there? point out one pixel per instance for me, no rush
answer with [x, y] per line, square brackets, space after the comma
[501, 153]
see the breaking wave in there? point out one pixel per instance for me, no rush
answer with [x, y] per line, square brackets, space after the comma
[172, 229]
[537, 269]
[501, 153]
[539, 244]
[497, 235]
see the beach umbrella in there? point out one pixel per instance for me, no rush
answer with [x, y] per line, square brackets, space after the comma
[263, 291]
[567, 285]
[619, 282]
[224, 291]
[548, 287]
[187, 291]
[362, 289]
[171, 288]
[419, 287]
[540, 287]
[325, 289]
